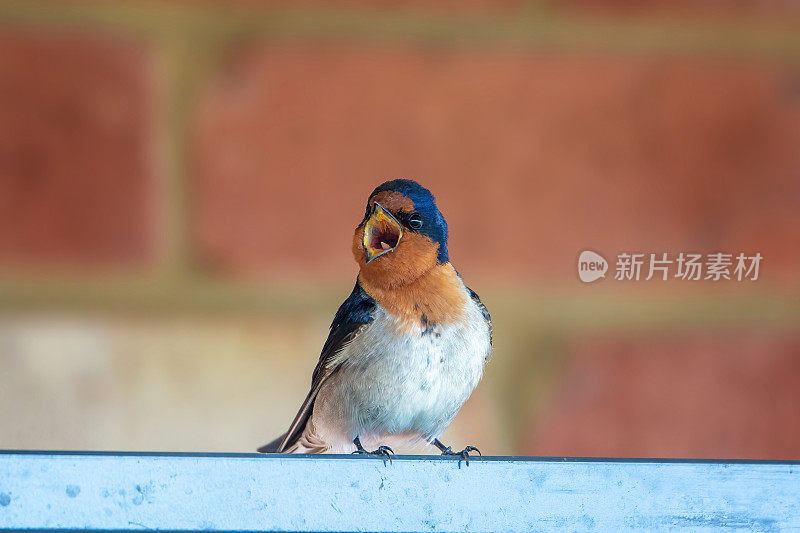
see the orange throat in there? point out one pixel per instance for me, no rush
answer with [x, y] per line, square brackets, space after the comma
[435, 297]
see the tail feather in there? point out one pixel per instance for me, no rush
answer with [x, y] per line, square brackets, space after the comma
[272, 447]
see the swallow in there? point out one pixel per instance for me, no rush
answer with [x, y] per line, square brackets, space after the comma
[405, 349]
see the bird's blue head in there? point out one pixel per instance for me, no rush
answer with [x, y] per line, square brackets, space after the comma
[403, 232]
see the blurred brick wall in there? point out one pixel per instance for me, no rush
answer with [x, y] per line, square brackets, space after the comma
[208, 141]
[534, 156]
[76, 150]
[543, 152]
[641, 395]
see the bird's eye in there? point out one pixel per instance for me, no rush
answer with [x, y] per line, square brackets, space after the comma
[415, 221]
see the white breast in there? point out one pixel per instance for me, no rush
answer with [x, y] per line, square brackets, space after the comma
[394, 382]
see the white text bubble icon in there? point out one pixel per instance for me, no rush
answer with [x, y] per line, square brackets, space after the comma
[591, 266]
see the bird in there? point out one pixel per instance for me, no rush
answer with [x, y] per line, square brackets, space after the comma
[405, 349]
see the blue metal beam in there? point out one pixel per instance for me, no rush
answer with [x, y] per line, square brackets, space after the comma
[214, 492]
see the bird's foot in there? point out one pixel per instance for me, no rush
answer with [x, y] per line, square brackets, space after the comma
[463, 454]
[383, 452]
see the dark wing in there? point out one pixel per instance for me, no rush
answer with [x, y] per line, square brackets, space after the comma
[352, 316]
[486, 316]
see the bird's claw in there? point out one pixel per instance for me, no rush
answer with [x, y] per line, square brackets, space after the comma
[463, 454]
[384, 452]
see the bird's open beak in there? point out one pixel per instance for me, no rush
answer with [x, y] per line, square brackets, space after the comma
[382, 233]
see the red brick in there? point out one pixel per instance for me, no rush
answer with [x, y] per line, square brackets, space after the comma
[76, 168]
[533, 156]
[712, 394]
